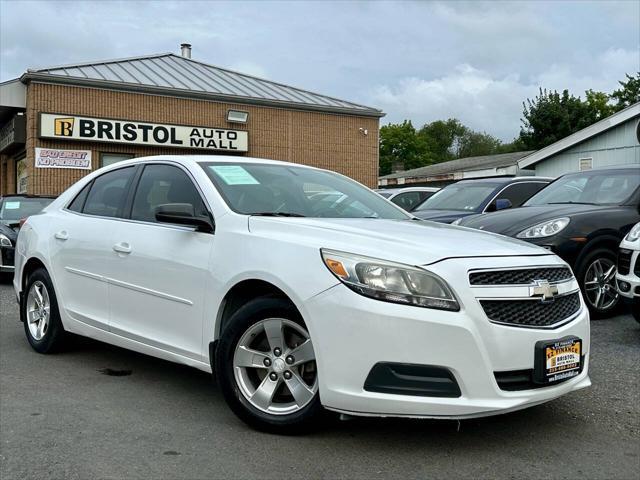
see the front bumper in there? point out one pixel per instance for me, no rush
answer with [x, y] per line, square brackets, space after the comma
[353, 333]
[632, 289]
[7, 259]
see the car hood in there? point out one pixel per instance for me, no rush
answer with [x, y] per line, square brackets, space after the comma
[513, 221]
[406, 241]
[441, 216]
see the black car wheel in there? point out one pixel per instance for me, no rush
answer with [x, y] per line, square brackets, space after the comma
[39, 311]
[635, 309]
[597, 277]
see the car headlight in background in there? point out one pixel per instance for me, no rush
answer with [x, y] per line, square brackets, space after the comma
[545, 229]
[4, 241]
[389, 281]
[634, 234]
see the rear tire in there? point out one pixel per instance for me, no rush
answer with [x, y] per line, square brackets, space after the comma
[256, 387]
[40, 315]
[596, 274]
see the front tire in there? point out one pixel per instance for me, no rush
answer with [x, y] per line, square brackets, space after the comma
[265, 366]
[597, 278]
[40, 314]
[635, 309]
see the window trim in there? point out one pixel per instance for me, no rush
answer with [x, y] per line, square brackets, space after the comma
[484, 210]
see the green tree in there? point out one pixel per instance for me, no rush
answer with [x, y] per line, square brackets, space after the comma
[628, 93]
[399, 145]
[441, 137]
[474, 144]
[552, 116]
[599, 105]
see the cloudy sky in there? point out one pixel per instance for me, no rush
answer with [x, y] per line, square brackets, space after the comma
[423, 61]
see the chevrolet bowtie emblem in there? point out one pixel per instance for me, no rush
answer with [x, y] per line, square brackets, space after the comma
[544, 290]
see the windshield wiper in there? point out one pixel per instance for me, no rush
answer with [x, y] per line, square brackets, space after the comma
[277, 214]
[572, 203]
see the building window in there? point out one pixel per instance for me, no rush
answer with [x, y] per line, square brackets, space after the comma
[107, 159]
[586, 164]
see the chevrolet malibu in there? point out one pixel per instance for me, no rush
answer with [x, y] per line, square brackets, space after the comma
[298, 305]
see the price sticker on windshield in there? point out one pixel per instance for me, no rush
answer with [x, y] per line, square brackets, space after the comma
[234, 175]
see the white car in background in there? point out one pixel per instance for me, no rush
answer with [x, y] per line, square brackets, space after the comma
[299, 304]
[628, 272]
[407, 198]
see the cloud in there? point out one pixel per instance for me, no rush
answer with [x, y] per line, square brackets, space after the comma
[493, 103]
[419, 60]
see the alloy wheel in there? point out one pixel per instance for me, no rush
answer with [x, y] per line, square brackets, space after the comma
[38, 310]
[274, 366]
[599, 284]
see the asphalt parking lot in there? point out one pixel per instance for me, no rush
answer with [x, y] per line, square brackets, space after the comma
[62, 416]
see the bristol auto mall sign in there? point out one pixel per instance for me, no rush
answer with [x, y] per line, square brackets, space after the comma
[70, 127]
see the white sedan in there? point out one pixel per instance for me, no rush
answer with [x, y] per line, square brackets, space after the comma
[628, 271]
[300, 305]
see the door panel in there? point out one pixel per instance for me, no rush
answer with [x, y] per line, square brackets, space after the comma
[79, 250]
[158, 271]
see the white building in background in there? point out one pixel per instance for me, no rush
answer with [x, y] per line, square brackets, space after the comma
[612, 141]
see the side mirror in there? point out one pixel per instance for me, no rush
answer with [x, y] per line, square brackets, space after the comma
[503, 204]
[183, 214]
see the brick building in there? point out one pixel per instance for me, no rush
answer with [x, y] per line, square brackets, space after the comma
[57, 124]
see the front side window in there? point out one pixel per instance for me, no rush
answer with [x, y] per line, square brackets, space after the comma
[591, 188]
[459, 196]
[108, 193]
[407, 200]
[271, 189]
[162, 184]
[517, 194]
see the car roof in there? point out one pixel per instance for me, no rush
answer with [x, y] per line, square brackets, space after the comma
[507, 180]
[408, 189]
[608, 169]
[193, 159]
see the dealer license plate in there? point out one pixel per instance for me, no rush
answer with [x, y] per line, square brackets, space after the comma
[558, 360]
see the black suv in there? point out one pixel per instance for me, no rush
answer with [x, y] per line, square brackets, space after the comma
[14, 208]
[468, 197]
[582, 217]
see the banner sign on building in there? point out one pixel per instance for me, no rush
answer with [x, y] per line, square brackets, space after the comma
[70, 127]
[56, 158]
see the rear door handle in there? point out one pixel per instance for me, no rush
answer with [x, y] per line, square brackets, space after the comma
[62, 235]
[122, 247]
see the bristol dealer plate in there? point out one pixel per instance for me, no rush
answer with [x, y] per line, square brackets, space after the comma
[558, 360]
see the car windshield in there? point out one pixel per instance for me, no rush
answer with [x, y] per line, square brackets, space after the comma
[591, 188]
[458, 196]
[284, 190]
[12, 209]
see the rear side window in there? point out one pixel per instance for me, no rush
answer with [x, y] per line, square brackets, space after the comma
[162, 184]
[108, 193]
[78, 202]
[407, 200]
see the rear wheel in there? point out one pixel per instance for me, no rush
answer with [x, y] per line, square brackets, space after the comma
[597, 278]
[265, 366]
[40, 314]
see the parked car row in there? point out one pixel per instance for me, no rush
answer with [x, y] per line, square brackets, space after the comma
[582, 217]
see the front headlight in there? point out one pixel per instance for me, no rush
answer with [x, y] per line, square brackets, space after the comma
[391, 282]
[634, 234]
[457, 222]
[545, 229]
[4, 241]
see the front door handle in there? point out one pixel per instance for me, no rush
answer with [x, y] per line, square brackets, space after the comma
[122, 247]
[62, 235]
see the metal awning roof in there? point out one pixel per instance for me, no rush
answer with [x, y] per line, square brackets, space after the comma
[171, 74]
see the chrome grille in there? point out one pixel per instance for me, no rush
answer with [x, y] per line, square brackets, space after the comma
[524, 276]
[532, 313]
